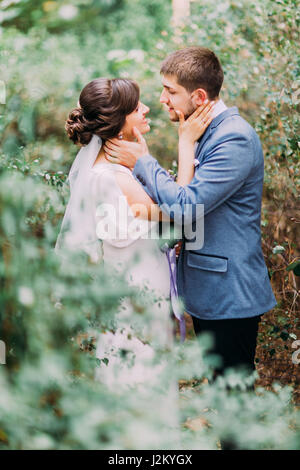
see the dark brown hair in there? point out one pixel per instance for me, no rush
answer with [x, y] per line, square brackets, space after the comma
[195, 67]
[103, 107]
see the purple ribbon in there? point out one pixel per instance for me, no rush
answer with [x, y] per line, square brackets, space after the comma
[177, 310]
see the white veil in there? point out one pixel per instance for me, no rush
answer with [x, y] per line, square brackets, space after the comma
[78, 229]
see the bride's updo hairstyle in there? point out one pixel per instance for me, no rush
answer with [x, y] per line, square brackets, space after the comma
[103, 107]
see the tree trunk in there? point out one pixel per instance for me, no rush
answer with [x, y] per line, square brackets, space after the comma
[181, 11]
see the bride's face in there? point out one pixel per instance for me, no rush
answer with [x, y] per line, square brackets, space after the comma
[136, 119]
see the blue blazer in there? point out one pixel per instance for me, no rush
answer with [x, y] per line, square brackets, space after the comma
[227, 277]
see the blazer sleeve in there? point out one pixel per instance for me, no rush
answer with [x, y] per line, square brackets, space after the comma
[227, 164]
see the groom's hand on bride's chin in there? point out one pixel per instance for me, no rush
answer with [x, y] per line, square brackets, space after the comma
[125, 152]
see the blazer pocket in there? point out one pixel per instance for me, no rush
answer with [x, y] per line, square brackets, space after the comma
[207, 262]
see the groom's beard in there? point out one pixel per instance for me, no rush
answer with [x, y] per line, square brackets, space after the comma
[190, 108]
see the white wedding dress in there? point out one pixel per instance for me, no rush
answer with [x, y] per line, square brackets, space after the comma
[130, 245]
[95, 211]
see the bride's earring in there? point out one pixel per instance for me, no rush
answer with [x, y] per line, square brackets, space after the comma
[120, 136]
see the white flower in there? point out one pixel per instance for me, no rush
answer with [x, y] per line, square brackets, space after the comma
[116, 54]
[57, 153]
[136, 54]
[68, 12]
[278, 249]
[25, 295]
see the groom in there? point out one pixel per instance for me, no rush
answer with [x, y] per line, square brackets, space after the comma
[225, 284]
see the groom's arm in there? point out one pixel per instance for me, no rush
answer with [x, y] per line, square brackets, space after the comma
[226, 167]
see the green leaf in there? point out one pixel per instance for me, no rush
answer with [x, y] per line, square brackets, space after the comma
[295, 267]
[284, 335]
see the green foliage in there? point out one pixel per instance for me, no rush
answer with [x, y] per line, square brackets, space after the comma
[50, 313]
[295, 267]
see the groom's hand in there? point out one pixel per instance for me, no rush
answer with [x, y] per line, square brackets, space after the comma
[124, 152]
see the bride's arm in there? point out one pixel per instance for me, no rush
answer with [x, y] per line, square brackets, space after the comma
[189, 132]
[140, 203]
[186, 156]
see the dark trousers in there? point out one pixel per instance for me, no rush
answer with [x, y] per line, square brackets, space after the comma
[235, 340]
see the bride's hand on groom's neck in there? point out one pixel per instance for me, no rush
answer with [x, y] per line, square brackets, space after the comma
[192, 128]
[125, 152]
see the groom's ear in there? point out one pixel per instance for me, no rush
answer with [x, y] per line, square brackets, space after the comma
[199, 96]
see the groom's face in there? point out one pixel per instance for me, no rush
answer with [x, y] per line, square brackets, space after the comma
[176, 97]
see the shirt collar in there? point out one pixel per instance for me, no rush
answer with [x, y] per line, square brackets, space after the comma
[219, 108]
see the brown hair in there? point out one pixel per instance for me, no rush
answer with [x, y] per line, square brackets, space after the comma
[195, 67]
[103, 107]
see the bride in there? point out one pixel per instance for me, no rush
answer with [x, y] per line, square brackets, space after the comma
[111, 218]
